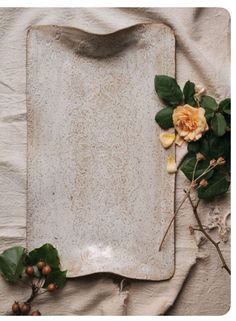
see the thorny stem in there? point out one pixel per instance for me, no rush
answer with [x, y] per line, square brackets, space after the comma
[201, 228]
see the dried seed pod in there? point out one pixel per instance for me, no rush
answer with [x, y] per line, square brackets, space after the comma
[29, 270]
[52, 287]
[41, 265]
[16, 308]
[46, 270]
[35, 313]
[25, 308]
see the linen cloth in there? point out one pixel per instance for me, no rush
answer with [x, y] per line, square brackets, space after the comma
[203, 56]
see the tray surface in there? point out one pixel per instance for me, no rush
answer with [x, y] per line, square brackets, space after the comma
[97, 183]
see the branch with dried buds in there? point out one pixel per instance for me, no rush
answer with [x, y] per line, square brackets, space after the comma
[201, 229]
[194, 184]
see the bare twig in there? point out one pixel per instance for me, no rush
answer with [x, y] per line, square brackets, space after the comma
[34, 293]
[201, 228]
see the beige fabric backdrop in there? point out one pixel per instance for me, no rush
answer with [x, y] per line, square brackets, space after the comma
[202, 55]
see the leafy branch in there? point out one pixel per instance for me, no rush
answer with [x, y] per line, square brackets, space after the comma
[38, 269]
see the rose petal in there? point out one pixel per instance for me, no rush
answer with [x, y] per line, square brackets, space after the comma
[179, 140]
[167, 139]
[171, 165]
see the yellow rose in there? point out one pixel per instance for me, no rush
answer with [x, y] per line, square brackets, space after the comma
[189, 122]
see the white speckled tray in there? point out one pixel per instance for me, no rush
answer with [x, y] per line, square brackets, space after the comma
[97, 185]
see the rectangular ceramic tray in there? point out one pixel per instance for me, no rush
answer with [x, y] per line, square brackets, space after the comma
[97, 183]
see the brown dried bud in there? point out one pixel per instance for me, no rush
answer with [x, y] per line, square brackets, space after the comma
[212, 162]
[203, 183]
[193, 184]
[199, 156]
[220, 161]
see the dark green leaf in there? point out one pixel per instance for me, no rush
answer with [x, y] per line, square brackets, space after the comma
[168, 90]
[209, 103]
[164, 118]
[228, 120]
[220, 146]
[217, 185]
[188, 168]
[225, 106]
[57, 277]
[212, 146]
[47, 253]
[209, 115]
[218, 124]
[189, 92]
[11, 263]
[194, 147]
[205, 149]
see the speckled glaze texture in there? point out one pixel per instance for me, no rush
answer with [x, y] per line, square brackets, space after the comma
[97, 182]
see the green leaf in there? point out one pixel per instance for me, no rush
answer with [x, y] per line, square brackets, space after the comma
[225, 106]
[189, 92]
[47, 253]
[168, 90]
[205, 149]
[209, 115]
[212, 146]
[220, 146]
[164, 118]
[188, 168]
[218, 124]
[228, 120]
[209, 103]
[12, 263]
[194, 147]
[57, 277]
[217, 185]
[210, 106]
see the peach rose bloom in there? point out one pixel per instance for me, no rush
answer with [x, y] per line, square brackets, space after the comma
[189, 122]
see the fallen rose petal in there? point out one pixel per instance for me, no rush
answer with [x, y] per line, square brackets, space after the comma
[167, 139]
[171, 165]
